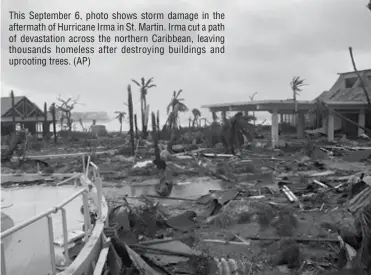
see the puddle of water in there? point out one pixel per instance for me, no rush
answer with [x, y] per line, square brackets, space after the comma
[192, 189]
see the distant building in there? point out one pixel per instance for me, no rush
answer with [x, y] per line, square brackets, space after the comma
[346, 97]
[99, 130]
[27, 115]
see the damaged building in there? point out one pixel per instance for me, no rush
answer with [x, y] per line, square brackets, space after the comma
[346, 97]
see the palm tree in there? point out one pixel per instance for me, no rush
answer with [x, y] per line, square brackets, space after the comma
[175, 106]
[196, 114]
[296, 86]
[144, 86]
[120, 116]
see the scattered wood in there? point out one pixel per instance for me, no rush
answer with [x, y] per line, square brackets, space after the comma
[289, 194]
[139, 263]
[320, 184]
[268, 238]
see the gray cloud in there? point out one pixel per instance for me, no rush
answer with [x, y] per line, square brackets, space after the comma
[268, 42]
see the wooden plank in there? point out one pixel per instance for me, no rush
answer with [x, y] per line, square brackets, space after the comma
[101, 261]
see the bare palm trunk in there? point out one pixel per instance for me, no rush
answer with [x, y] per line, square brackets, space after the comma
[13, 111]
[359, 76]
[144, 118]
[131, 118]
[136, 126]
[54, 124]
[45, 130]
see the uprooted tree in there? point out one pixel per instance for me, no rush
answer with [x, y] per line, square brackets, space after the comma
[65, 109]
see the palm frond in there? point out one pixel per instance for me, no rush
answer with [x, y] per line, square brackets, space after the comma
[143, 81]
[151, 86]
[369, 5]
[297, 83]
[149, 81]
[136, 82]
[169, 107]
[196, 112]
[181, 107]
[179, 92]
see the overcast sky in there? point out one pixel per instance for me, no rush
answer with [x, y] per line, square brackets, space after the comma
[268, 42]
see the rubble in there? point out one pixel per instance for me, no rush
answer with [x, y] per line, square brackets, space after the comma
[254, 212]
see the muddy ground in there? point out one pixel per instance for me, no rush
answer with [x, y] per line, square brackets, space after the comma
[257, 225]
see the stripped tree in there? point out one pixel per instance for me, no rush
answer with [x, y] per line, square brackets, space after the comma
[13, 111]
[136, 126]
[362, 84]
[144, 86]
[45, 130]
[65, 108]
[52, 110]
[131, 118]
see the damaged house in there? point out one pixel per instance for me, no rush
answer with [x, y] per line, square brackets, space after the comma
[26, 115]
[347, 97]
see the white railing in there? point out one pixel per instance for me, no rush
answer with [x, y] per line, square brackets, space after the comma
[61, 207]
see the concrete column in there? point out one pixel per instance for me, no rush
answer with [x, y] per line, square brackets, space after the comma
[330, 127]
[361, 122]
[300, 126]
[292, 119]
[224, 116]
[281, 118]
[324, 124]
[275, 136]
[214, 116]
